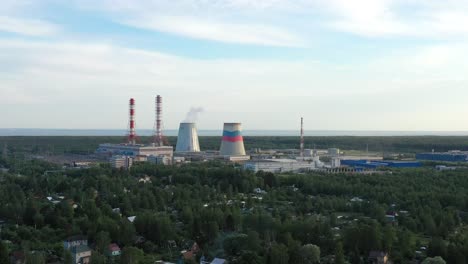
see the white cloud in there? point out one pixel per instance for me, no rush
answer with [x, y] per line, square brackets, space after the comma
[30, 27]
[77, 85]
[219, 31]
[408, 18]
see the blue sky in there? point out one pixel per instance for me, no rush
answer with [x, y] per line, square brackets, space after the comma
[343, 65]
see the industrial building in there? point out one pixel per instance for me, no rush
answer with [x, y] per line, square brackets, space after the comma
[232, 143]
[187, 139]
[279, 165]
[119, 162]
[379, 164]
[132, 150]
[450, 156]
[164, 160]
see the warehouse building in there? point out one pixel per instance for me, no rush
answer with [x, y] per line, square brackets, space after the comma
[450, 156]
[379, 164]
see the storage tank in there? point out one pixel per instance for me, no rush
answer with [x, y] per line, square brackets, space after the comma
[232, 143]
[187, 140]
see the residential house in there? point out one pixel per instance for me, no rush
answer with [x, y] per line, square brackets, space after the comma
[75, 241]
[81, 254]
[113, 250]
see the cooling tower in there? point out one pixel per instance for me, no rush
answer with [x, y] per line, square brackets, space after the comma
[187, 140]
[232, 143]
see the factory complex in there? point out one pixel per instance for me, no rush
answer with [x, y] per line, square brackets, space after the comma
[232, 149]
[125, 154]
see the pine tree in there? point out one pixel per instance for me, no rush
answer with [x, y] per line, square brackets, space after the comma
[339, 254]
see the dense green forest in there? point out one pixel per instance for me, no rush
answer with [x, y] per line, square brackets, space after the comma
[403, 144]
[299, 218]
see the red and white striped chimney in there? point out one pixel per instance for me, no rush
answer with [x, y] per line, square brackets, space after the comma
[132, 133]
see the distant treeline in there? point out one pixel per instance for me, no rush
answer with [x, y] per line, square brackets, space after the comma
[400, 144]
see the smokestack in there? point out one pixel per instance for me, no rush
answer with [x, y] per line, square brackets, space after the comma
[187, 140]
[158, 139]
[233, 142]
[131, 132]
[302, 137]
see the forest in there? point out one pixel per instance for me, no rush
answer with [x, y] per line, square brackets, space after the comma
[414, 215]
[396, 144]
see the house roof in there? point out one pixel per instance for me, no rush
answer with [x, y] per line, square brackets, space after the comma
[114, 247]
[218, 261]
[80, 249]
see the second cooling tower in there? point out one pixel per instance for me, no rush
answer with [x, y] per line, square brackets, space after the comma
[187, 140]
[232, 143]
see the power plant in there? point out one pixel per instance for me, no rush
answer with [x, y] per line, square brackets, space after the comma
[232, 149]
[232, 143]
[133, 150]
[187, 139]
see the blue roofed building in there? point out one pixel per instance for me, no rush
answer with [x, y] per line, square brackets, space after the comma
[449, 156]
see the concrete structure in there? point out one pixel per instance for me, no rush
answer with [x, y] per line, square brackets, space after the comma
[119, 162]
[333, 152]
[279, 165]
[164, 160]
[187, 140]
[335, 162]
[134, 150]
[232, 143]
[450, 156]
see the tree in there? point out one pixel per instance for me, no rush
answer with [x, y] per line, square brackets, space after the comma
[388, 238]
[97, 258]
[234, 244]
[4, 253]
[102, 241]
[339, 254]
[278, 254]
[437, 247]
[131, 255]
[310, 254]
[36, 258]
[67, 257]
[436, 260]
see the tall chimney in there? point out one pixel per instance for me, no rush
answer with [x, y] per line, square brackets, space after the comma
[158, 136]
[302, 137]
[131, 132]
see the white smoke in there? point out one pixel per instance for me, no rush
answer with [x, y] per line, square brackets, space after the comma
[192, 114]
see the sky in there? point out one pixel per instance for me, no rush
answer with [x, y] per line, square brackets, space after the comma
[340, 64]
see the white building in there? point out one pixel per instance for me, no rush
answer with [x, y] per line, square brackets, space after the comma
[134, 150]
[279, 165]
[165, 160]
[121, 162]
